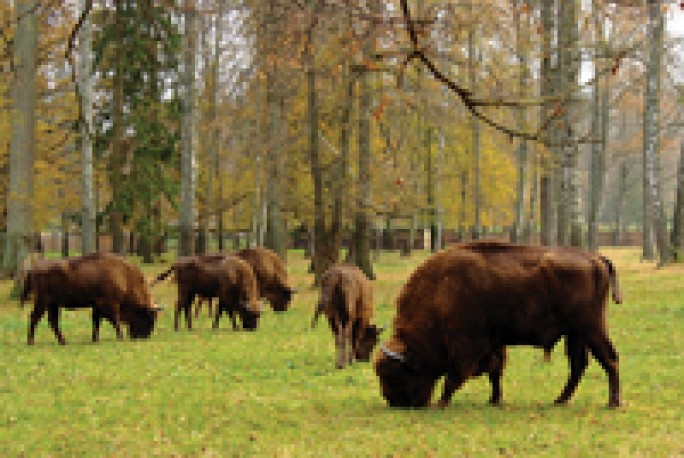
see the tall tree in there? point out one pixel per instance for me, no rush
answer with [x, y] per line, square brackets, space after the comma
[364, 198]
[186, 242]
[88, 209]
[651, 136]
[570, 215]
[473, 60]
[22, 142]
[547, 82]
[521, 41]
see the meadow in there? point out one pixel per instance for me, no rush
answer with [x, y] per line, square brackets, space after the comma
[276, 392]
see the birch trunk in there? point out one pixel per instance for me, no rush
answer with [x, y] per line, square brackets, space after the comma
[22, 140]
[522, 152]
[548, 229]
[652, 131]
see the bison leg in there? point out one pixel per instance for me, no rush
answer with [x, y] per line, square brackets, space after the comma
[209, 307]
[452, 382]
[219, 310]
[604, 351]
[36, 314]
[578, 358]
[231, 314]
[495, 372]
[97, 319]
[53, 318]
[198, 307]
[343, 345]
[187, 309]
[116, 320]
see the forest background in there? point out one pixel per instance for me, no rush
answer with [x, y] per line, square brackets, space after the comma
[137, 125]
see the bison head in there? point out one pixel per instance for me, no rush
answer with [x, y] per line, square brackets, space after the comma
[140, 320]
[249, 315]
[280, 298]
[366, 341]
[402, 383]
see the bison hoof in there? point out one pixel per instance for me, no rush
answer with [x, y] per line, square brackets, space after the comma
[614, 404]
[30, 342]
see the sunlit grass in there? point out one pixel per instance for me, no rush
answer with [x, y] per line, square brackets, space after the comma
[275, 392]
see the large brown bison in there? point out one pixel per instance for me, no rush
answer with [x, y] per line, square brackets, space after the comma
[464, 305]
[346, 298]
[226, 277]
[271, 276]
[108, 284]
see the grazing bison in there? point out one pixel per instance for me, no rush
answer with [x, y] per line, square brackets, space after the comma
[226, 277]
[271, 276]
[346, 298]
[462, 306]
[112, 287]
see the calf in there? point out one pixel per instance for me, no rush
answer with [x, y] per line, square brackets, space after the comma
[346, 298]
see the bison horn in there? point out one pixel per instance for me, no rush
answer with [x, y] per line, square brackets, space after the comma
[158, 308]
[393, 354]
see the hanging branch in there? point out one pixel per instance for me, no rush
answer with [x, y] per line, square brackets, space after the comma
[472, 103]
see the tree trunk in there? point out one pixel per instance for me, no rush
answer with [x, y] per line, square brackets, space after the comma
[362, 218]
[570, 214]
[88, 189]
[118, 147]
[22, 140]
[475, 136]
[546, 182]
[619, 199]
[677, 226]
[521, 44]
[186, 242]
[652, 131]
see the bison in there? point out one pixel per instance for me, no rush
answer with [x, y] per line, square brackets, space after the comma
[271, 276]
[108, 284]
[346, 298]
[227, 277]
[462, 307]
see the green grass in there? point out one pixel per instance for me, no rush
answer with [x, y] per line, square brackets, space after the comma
[275, 392]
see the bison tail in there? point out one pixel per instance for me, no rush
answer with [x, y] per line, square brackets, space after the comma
[163, 276]
[612, 278]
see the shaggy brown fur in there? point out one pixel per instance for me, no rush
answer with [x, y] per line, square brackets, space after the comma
[463, 305]
[271, 276]
[238, 292]
[108, 284]
[346, 298]
[212, 276]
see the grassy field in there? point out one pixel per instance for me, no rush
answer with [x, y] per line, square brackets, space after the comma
[276, 392]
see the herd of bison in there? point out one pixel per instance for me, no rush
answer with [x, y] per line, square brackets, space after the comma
[454, 316]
